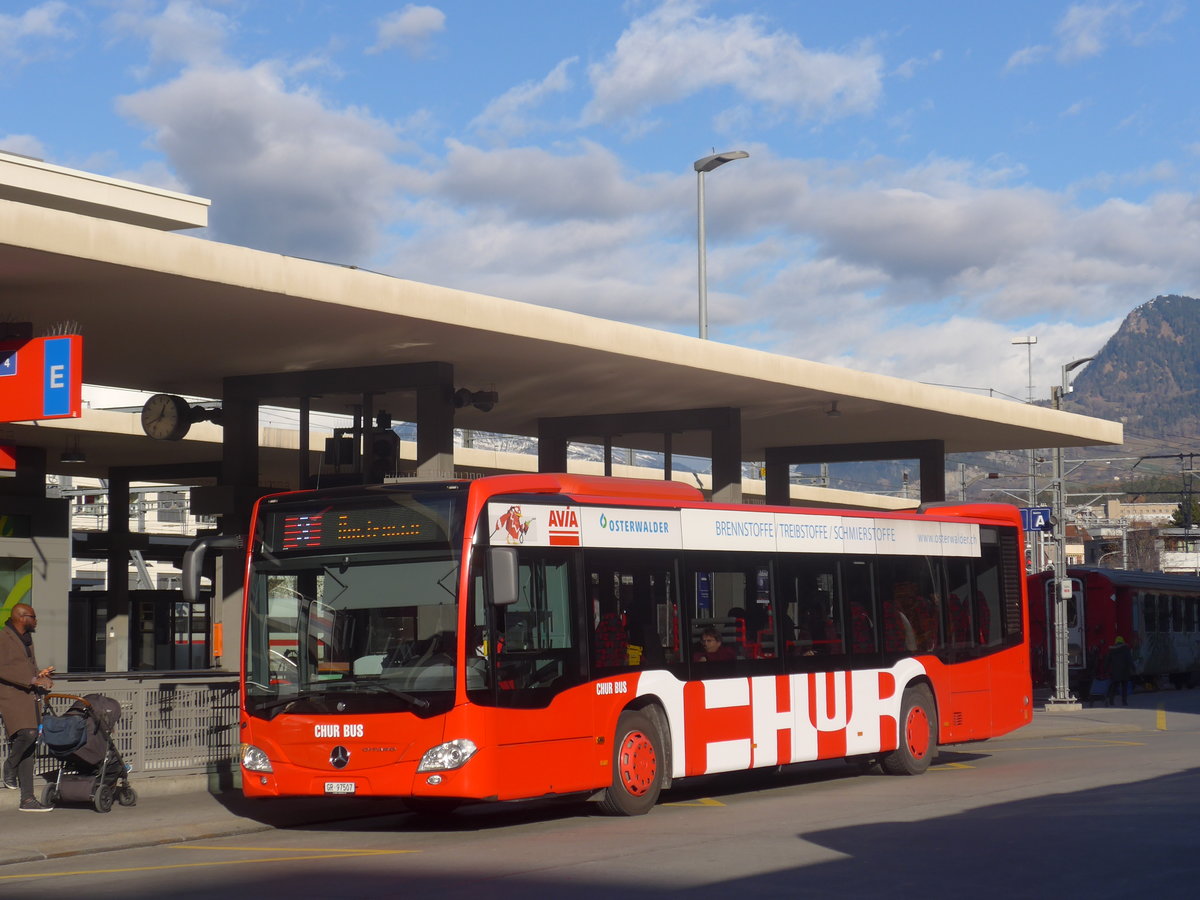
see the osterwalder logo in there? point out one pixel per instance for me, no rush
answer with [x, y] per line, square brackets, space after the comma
[634, 525]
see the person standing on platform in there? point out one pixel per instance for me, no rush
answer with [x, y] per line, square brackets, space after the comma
[1120, 670]
[21, 684]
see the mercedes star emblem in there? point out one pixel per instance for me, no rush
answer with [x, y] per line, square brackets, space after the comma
[339, 757]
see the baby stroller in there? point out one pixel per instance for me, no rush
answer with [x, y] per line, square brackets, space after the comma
[90, 768]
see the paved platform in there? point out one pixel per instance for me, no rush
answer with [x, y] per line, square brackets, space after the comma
[170, 810]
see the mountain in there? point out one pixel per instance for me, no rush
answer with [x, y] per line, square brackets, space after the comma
[1148, 374]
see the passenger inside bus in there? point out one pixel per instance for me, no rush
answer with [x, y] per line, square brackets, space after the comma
[898, 634]
[711, 648]
[610, 643]
[862, 629]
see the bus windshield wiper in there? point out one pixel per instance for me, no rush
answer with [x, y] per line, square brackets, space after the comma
[274, 706]
[417, 702]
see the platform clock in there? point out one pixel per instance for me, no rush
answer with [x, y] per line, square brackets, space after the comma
[166, 417]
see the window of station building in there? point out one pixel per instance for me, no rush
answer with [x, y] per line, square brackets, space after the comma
[1149, 612]
[172, 506]
[1164, 613]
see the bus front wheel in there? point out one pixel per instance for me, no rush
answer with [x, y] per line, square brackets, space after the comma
[918, 734]
[636, 766]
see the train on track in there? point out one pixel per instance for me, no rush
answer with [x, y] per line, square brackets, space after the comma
[1157, 614]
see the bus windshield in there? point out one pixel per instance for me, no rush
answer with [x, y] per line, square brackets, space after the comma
[336, 625]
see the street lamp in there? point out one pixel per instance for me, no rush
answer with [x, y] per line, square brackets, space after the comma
[1062, 686]
[707, 164]
[1028, 341]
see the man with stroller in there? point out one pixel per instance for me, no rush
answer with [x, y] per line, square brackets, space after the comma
[21, 685]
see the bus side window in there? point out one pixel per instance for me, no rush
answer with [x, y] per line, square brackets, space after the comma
[733, 594]
[856, 594]
[633, 610]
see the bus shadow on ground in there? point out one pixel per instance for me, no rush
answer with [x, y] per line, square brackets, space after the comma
[1134, 839]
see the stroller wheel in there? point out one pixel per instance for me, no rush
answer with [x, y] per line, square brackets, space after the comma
[127, 796]
[102, 800]
[50, 795]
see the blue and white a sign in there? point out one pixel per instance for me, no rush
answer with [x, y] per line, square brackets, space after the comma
[1036, 518]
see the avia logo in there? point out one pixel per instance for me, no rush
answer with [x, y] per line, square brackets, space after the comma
[339, 757]
[563, 527]
[563, 518]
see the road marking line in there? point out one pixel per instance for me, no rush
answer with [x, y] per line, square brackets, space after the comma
[339, 854]
[703, 801]
[349, 852]
[942, 767]
[1086, 740]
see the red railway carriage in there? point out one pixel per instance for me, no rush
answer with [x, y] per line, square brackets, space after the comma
[1157, 614]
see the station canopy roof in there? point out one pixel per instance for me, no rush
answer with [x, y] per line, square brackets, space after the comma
[169, 312]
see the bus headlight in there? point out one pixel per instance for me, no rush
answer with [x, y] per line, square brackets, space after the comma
[450, 755]
[254, 760]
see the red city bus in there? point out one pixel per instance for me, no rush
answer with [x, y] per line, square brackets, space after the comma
[523, 636]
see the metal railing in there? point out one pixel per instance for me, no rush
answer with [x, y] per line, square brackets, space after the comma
[172, 723]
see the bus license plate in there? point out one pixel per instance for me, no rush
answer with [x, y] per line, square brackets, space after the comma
[339, 787]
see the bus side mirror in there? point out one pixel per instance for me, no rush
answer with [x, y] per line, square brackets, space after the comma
[193, 560]
[502, 570]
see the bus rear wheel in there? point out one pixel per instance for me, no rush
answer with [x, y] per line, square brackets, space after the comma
[636, 766]
[918, 734]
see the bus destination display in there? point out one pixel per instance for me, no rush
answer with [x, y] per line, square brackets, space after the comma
[341, 528]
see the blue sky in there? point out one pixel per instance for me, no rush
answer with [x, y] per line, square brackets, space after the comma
[926, 180]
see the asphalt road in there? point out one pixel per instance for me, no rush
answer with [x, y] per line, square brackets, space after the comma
[1091, 815]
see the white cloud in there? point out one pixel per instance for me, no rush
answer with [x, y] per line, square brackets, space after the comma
[23, 144]
[1026, 56]
[910, 67]
[35, 32]
[507, 115]
[539, 185]
[673, 52]
[1086, 28]
[183, 32]
[285, 172]
[409, 28]
[922, 271]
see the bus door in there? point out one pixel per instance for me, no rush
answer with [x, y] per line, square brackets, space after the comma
[632, 611]
[543, 714]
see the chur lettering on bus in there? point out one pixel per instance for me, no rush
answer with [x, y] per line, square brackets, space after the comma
[741, 723]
